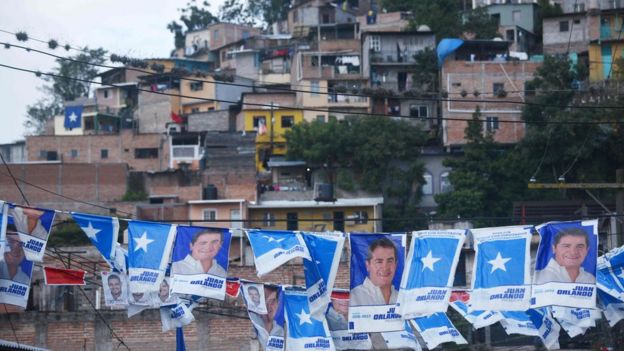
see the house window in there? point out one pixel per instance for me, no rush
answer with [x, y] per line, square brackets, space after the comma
[48, 155]
[320, 118]
[579, 7]
[445, 183]
[210, 214]
[419, 111]
[510, 34]
[245, 34]
[269, 219]
[73, 153]
[288, 121]
[104, 154]
[497, 88]
[258, 121]
[235, 217]
[516, 16]
[146, 152]
[361, 217]
[564, 26]
[375, 44]
[106, 94]
[314, 87]
[197, 86]
[491, 123]
[194, 109]
[427, 188]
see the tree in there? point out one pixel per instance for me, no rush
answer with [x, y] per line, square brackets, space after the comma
[271, 11]
[426, 70]
[193, 18]
[479, 22]
[234, 11]
[59, 89]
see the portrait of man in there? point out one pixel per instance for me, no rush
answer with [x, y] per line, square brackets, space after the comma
[338, 314]
[28, 221]
[570, 248]
[202, 252]
[163, 292]
[15, 266]
[255, 299]
[265, 324]
[381, 267]
[115, 289]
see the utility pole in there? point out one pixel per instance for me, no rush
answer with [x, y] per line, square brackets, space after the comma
[271, 131]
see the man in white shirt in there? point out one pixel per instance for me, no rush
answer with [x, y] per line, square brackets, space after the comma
[11, 268]
[204, 247]
[570, 249]
[381, 265]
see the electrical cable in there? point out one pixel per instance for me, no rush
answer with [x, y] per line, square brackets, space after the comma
[6, 310]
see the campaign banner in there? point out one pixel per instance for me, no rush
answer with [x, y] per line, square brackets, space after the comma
[306, 331]
[32, 226]
[565, 267]
[337, 316]
[165, 296]
[404, 339]
[437, 329]
[320, 271]
[15, 268]
[200, 261]
[4, 217]
[459, 302]
[376, 269]
[102, 231]
[149, 249]
[518, 322]
[547, 328]
[115, 289]
[610, 273]
[580, 317]
[612, 307]
[273, 248]
[175, 316]
[429, 272]
[269, 323]
[501, 278]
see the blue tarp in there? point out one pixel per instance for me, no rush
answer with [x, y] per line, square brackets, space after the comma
[447, 47]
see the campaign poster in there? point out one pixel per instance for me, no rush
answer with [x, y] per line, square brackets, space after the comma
[565, 267]
[200, 261]
[115, 288]
[337, 316]
[254, 297]
[269, 326]
[376, 268]
[33, 226]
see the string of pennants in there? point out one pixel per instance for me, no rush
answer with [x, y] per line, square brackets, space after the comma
[396, 297]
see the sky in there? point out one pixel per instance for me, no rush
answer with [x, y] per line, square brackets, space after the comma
[136, 28]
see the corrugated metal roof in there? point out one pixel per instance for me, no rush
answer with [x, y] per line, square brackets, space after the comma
[10, 346]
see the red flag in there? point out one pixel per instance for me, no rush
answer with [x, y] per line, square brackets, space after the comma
[59, 276]
[176, 118]
[232, 287]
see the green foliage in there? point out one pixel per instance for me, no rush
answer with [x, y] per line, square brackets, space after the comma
[426, 70]
[479, 22]
[134, 196]
[270, 11]
[193, 17]
[442, 16]
[234, 11]
[67, 234]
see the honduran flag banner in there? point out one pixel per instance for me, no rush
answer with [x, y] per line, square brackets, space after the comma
[565, 267]
[612, 307]
[33, 226]
[102, 231]
[518, 322]
[437, 329]
[376, 269]
[403, 339]
[149, 248]
[200, 261]
[320, 272]
[305, 330]
[337, 316]
[273, 248]
[429, 272]
[478, 319]
[547, 328]
[501, 278]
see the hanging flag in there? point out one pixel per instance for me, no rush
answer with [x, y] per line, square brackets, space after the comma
[478, 319]
[102, 231]
[176, 118]
[501, 277]
[518, 322]
[610, 273]
[612, 307]
[272, 248]
[232, 287]
[115, 289]
[200, 261]
[4, 216]
[59, 276]
[175, 316]
[436, 329]
[149, 248]
[376, 268]
[547, 329]
[305, 330]
[73, 115]
[267, 315]
[320, 272]
[404, 339]
[565, 267]
[337, 317]
[429, 272]
[33, 227]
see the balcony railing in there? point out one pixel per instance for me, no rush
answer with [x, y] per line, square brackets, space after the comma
[393, 57]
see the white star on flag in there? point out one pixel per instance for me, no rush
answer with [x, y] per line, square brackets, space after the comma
[499, 263]
[621, 275]
[428, 261]
[304, 317]
[272, 239]
[142, 242]
[73, 117]
[90, 231]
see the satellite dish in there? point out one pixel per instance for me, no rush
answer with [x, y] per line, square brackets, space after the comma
[423, 28]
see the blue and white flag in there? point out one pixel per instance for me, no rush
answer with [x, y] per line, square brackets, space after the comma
[376, 269]
[518, 322]
[149, 249]
[610, 273]
[429, 272]
[33, 226]
[320, 272]
[200, 261]
[547, 328]
[337, 316]
[73, 116]
[175, 316]
[437, 329]
[305, 330]
[612, 307]
[273, 248]
[501, 278]
[4, 217]
[101, 230]
[565, 267]
[478, 319]
[403, 339]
